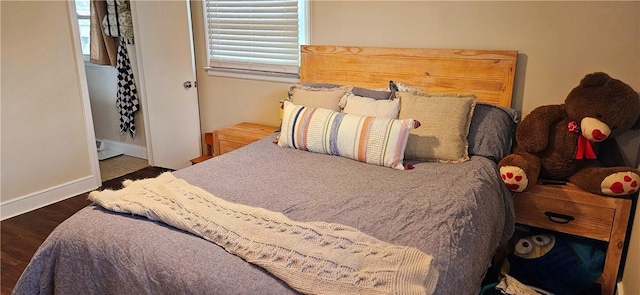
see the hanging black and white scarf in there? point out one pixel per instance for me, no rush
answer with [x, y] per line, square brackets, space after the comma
[127, 98]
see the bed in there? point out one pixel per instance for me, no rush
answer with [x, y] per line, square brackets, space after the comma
[458, 213]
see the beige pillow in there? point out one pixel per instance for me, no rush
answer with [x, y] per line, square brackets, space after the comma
[317, 97]
[365, 106]
[445, 122]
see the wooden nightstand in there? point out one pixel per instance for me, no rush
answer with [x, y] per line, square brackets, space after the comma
[236, 136]
[569, 209]
[208, 140]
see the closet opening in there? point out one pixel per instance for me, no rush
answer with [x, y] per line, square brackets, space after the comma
[117, 117]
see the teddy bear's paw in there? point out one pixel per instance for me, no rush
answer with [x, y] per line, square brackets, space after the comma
[621, 183]
[514, 177]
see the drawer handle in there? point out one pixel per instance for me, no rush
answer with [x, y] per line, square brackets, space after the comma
[559, 218]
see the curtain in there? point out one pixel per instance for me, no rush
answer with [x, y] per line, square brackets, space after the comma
[102, 47]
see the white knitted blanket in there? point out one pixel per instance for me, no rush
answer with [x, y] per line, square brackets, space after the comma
[311, 257]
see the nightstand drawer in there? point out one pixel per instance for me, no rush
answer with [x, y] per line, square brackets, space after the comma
[564, 216]
[584, 214]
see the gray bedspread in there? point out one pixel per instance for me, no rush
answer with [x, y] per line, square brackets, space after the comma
[458, 213]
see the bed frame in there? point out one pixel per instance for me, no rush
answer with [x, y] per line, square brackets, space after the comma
[487, 73]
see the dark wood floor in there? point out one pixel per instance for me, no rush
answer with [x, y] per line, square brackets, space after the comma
[22, 235]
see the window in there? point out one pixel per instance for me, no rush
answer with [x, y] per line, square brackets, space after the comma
[84, 24]
[252, 38]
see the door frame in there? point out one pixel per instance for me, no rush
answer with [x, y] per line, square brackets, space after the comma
[86, 102]
[140, 84]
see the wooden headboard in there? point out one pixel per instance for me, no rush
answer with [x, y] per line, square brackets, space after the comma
[487, 73]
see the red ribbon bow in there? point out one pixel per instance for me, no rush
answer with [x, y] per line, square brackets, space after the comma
[584, 149]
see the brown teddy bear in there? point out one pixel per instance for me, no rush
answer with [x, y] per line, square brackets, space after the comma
[575, 141]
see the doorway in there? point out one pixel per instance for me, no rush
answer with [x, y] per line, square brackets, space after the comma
[166, 104]
[119, 153]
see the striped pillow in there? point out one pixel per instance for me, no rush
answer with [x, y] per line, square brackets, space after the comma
[378, 141]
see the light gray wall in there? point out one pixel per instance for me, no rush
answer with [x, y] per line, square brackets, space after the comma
[45, 145]
[559, 42]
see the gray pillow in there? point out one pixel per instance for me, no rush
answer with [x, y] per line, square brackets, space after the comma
[359, 91]
[375, 94]
[491, 131]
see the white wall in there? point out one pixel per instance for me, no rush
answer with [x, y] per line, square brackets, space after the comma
[559, 42]
[45, 142]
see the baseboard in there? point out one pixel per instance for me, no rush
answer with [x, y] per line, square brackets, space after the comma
[47, 196]
[127, 149]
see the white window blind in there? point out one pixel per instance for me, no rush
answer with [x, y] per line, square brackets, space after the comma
[255, 35]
